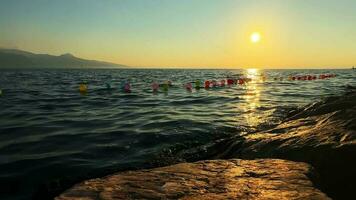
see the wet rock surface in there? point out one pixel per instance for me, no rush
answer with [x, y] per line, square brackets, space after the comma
[211, 179]
[322, 134]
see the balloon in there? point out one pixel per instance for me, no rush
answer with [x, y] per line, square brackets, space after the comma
[197, 84]
[127, 87]
[188, 86]
[166, 85]
[83, 88]
[155, 86]
[230, 81]
[207, 84]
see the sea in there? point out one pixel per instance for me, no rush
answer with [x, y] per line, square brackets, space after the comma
[51, 133]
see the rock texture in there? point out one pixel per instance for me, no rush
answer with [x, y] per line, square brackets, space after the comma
[212, 179]
[322, 134]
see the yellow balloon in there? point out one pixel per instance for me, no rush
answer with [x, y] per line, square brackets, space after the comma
[83, 88]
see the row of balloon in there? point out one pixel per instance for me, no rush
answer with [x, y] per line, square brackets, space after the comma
[198, 84]
[312, 77]
[305, 77]
[207, 84]
[165, 86]
[125, 86]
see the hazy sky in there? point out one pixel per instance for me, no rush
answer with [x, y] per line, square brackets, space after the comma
[176, 33]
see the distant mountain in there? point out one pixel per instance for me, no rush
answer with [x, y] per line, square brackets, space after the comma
[13, 58]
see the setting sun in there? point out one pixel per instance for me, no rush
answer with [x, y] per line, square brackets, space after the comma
[255, 37]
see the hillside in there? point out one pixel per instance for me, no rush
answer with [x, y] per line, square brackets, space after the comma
[13, 58]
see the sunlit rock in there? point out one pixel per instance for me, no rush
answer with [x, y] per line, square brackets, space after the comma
[212, 179]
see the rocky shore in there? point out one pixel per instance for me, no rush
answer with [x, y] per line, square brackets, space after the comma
[314, 148]
[322, 134]
[211, 179]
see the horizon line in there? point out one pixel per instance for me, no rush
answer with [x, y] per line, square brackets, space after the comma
[183, 67]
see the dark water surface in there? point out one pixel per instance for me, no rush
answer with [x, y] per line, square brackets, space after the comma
[48, 130]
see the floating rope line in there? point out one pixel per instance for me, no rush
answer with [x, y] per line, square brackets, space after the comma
[125, 86]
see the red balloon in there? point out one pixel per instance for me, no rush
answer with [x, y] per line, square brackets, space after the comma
[230, 81]
[207, 84]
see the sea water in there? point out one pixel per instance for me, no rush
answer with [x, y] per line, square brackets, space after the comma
[49, 130]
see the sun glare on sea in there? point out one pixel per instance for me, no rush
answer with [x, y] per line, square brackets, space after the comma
[255, 37]
[252, 73]
[252, 98]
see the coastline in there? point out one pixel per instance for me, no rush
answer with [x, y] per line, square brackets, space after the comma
[321, 134]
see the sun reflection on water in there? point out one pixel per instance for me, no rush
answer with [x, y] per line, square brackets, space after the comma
[252, 98]
[252, 73]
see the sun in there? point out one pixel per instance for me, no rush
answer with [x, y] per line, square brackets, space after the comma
[255, 37]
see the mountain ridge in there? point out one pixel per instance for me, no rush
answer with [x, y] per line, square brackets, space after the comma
[16, 58]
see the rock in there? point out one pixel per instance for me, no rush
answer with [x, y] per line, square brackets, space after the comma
[322, 134]
[211, 179]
